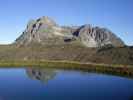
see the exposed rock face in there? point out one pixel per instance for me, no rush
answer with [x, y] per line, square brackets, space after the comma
[95, 37]
[45, 31]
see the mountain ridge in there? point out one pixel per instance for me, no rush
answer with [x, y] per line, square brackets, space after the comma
[46, 31]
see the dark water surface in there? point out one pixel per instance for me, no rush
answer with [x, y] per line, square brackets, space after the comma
[55, 84]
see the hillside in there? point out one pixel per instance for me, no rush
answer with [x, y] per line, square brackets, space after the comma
[119, 55]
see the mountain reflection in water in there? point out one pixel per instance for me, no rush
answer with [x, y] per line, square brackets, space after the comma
[43, 75]
[46, 74]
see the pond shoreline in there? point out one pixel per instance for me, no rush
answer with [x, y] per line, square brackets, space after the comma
[110, 68]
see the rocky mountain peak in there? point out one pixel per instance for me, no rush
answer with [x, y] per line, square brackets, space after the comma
[45, 31]
[46, 20]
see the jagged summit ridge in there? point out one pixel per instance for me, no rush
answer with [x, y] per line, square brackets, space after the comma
[45, 31]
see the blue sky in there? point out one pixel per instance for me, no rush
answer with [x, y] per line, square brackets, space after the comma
[116, 15]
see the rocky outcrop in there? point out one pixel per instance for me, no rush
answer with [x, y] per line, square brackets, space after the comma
[45, 31]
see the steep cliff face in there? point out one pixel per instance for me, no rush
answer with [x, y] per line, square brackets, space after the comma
[45, 31]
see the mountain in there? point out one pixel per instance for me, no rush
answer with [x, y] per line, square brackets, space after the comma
[45, 31]
[44, 39]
